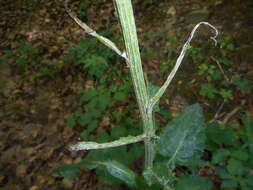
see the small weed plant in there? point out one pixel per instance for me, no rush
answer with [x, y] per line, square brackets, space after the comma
[218, 80]
[180, 144]
[232, 150]
[26, 58]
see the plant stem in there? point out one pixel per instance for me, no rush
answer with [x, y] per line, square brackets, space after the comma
[87, 145]
[132, 57]
[125, 13]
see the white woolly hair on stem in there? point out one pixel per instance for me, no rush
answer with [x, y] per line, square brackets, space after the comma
[161, 91]
[93, 33]
[133, 59]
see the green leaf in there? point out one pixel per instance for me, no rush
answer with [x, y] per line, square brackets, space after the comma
[193, 183]
[117, 153]
[119, 131]
[240, 155]
[235, 167]
[216, 75]
[96, 65]
[160, 174]
[87, 96]
[165, 114]
[195, 162]
[246, 188]
[92, 126]
[120, 96]
[83, 6]
[67, 171]
[243, 84]
[220, 155]
[221, 136]
[223, 173]
[248, 125]
[116, 169]
[84, 119]
[136, 152]
[249, 180]
[229, 183]
[121, 172]
[84, 135]
[104, 100]
[224, 61]
[71, 121]
[208, 90]
[226, 93]
[184, 136]
[162, 171]
[105, 177]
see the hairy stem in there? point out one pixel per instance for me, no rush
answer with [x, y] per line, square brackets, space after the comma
[126, 18]
[93, 33]
[87, 145]
[161, 91]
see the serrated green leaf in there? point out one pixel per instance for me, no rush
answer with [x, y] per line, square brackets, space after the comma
[96, 65]
[226, 93]
[208, 90]
[184, 136]
[193, 183]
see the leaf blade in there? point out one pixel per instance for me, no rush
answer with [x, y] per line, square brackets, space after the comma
[184, 136]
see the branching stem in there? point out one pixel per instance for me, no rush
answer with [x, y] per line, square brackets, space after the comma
[133, 59]
[186, 46]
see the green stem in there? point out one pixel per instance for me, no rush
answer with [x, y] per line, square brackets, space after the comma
[126, 17]
[87, 145]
